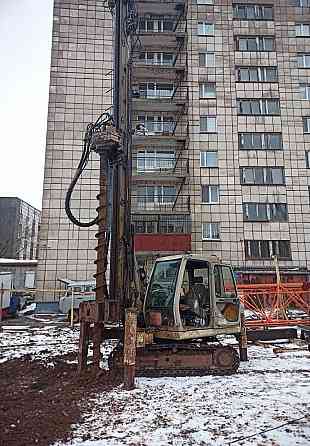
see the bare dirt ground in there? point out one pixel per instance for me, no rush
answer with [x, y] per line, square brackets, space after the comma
[40, 400]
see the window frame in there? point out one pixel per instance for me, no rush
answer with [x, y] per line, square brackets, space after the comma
[271, 212]
[260, 43]
[257, 7]
[265, 140]
[208, 117]
[305, 57]
[202, 29]
[261, 74]
[205, 54]
[203, 88]
[209, 188]
[204, 159]
[273, 249]
[261, 104]
[302, 27]
[210, 231]
[306, 124]
[265, 173]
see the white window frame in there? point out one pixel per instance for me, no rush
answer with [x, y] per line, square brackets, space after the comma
[158, 25]
[302, 29]
[207, 231]
[158, 196]
[304, 57]
[210, 201]
[205, 2]
[159, 123]
[207, 55]
[304, 88]
[204, 159]
[157, 58]
[307, 120]
[150, 160]
[156, 92]
[203, 29]
[203, 90]
[208, 118]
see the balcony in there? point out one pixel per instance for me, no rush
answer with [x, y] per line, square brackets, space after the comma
[160, 131]
[160, 97]
[155, 7]
[149, 167]
[154, 201]
[164, 243]
[166, 65]
[162, 233]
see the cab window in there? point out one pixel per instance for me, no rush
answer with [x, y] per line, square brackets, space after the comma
[224, 282]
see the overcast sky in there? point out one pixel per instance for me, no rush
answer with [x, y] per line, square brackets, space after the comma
[25, 42]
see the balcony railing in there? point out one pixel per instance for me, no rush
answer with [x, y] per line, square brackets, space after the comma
[161, 224]
[166, 203]
[160, 128]
[144, 165]
[156, 59]
[176, 94]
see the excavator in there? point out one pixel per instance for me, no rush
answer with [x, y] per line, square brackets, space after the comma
[170, 324]
[190, 301]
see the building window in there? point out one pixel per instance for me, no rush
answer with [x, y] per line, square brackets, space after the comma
[308, 159]
[262, 175]
[208, 159]
[258, 106]
[258, 43]
[207, 90]
[159, 25]
[156, 194]
[206, 59]
[205, 2]
[302, 30]
[306, 124]
[207, 124]
[264, 249]
[210, 231]
[150, 160]
[154, 124]
[257, 74]
[210, 194]
[260, 141]
[205, 29]
[162, 224]
[304, 90]
[303, 60]
[154, 90]
[265, 212]
[252, 12]
[159, 58]
[301, 3]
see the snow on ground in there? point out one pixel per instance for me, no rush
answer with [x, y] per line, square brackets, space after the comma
[39, 342]
[268, 391]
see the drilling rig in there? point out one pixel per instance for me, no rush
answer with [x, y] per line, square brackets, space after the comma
[170, 326]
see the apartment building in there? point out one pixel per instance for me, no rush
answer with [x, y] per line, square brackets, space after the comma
[220, 131]
[19, 227]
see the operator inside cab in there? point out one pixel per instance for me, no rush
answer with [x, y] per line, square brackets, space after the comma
[195, 297]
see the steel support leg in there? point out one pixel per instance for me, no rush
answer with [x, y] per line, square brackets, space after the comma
[83, 346]
[130, 349]
[243, 342]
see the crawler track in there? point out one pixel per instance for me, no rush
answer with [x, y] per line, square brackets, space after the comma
[180, 360]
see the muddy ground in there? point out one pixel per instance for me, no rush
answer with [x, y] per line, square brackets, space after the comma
[40, 400]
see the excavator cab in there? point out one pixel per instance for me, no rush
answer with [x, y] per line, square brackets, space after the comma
[191, 296]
